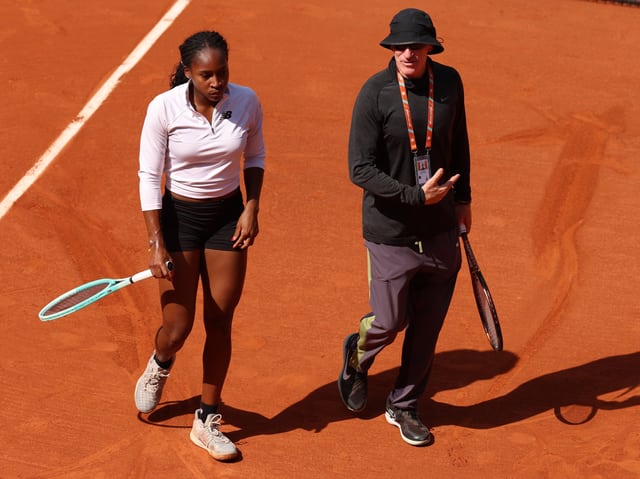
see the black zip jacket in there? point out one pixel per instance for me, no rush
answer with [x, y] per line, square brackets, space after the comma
[381, 162]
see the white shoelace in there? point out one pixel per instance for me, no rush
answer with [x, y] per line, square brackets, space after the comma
[155, 380]
[211, 425]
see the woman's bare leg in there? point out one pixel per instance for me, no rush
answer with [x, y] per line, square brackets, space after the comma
[223, 274]
[178, 300]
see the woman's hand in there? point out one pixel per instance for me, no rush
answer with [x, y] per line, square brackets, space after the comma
[247, 228]
[158, 255]
[159, 260]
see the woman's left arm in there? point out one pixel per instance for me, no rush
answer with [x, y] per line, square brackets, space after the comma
[247, 228]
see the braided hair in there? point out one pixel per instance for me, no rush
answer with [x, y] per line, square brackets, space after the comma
[191, 47]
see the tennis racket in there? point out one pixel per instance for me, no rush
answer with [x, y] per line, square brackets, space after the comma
[481, 292]
[82, 296]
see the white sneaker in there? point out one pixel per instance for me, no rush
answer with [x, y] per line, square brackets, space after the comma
[207, 436]
[149, 386]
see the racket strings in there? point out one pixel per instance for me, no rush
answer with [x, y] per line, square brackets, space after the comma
[487, 313]
[74, 299]
[484, 302]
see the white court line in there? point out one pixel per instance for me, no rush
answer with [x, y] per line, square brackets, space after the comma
[90, 108]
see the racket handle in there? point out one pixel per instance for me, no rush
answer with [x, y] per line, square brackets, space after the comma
[462, 229]
[146, 274]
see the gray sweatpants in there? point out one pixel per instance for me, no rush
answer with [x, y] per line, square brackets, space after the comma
[409, 289]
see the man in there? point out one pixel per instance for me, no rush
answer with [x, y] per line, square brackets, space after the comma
[409, 152]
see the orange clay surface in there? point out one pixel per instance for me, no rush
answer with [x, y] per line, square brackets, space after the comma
[554, 116]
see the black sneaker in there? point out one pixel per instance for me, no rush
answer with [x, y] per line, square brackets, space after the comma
[411, 428]
[351, 383]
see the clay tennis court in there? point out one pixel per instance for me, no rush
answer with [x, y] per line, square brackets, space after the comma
[553, 108]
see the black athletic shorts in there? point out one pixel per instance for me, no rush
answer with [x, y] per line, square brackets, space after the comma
[189, 226]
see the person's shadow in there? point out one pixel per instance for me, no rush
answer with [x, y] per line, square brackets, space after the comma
[581, 385]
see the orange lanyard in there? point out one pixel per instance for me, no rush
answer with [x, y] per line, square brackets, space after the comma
[407, 112]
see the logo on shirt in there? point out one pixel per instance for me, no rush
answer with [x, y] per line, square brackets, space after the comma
[226, 115]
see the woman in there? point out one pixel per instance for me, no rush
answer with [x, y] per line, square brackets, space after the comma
[195, 135]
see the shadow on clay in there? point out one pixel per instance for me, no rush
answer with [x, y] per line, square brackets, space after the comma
[581, 385]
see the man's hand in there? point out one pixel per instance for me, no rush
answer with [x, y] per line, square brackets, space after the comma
[433, 191]
[463, 215]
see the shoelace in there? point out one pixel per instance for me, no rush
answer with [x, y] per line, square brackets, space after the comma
[413, 419]
[359, 383]
[212, 424]
[155, 380]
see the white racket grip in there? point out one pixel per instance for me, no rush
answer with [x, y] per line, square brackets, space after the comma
[462, 229]
[146, 274]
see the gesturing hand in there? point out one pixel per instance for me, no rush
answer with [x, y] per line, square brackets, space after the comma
[434, 191]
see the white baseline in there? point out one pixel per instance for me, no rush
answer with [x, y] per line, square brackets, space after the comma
[90, 108]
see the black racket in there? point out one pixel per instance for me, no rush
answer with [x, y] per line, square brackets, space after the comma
[481, 292]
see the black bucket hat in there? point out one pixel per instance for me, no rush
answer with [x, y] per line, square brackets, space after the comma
[412, 26]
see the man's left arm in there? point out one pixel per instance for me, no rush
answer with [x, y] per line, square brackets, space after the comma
[461, 163]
